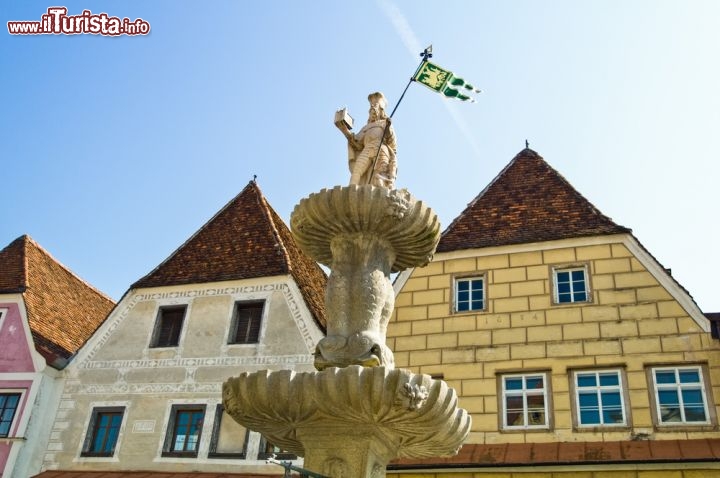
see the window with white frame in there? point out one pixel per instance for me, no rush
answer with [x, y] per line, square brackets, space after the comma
[680, 396]
[599, 398]
[571, 285]
[184, 430]
[103, 431]
[469, 294]
[524, 401]
[245, 326]
[269, 450]
[9, 403]
[168, 326]
[229, 438]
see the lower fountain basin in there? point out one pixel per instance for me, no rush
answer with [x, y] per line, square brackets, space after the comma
[414, 415]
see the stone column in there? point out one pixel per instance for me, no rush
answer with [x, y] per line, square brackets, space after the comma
[363, 234]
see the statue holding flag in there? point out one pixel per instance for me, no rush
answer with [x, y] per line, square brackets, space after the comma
[372, 151]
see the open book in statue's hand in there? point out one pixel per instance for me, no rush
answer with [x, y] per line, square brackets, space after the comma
[343, 119]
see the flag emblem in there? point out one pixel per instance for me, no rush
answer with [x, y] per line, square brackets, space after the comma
[444, 81]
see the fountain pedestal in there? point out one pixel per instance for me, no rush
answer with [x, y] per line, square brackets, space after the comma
[357, 412]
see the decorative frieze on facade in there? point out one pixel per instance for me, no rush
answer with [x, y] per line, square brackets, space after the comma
[200, 362]
[246, 292]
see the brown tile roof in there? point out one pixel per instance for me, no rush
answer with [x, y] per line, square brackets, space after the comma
[63, 310]
[575, 453]
[146, 474]
[244, 240]
[714, 318]
[527, 202]
[498, 455]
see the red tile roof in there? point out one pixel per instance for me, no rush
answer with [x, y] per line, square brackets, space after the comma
[527, 202]
[245, 239]
[63, 310]
[498, 455]
[575, 453]
[146, 474]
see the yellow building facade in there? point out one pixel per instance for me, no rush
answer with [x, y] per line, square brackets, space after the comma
[576, 354]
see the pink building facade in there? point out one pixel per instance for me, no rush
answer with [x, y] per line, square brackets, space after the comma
[46, 314]
[29, 392]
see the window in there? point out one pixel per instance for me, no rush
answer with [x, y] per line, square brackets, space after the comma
[103, 431]
[680, 396]
[571, 285]
[524, 402]
[184, 429]
[268, 450]
[469, 294]
[8, 406]
[245, 327]
[229, 438]
[599, 399]
[168, 326]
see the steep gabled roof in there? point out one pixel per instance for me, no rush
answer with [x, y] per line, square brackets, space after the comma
[527, 202]
[245, 239]
[147, 474]
[494, 455]
[63, 310]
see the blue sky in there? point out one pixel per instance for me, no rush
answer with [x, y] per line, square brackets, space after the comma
[115, 150]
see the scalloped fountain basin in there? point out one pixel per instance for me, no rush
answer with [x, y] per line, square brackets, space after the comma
[320, 415]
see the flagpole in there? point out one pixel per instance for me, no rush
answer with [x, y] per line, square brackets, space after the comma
[427, 53]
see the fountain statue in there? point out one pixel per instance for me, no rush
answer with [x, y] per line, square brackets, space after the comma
[357, 411]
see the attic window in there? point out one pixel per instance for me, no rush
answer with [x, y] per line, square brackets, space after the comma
[469, 294]
[247, 318]
[168, 326]
[571, 285]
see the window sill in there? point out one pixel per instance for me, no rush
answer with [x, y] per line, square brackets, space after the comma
[7, 440]
[526, 430]
[178, 454]
[237, 456]
[568, 304]
[277, 456]
[601, 428]
[685, 427]
[468, 312]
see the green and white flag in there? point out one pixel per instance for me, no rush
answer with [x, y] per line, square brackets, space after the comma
[444, 81]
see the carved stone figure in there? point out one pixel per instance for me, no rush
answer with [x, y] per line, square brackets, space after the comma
[363, 234]
[375, 140]
[357, 412]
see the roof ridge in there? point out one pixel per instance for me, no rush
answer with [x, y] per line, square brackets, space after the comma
[192, 236]
[25, 265]
[528, 201]
[485, 189]
[264, 206]
[30, 240]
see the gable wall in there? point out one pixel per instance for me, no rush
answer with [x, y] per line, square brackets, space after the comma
[118, 368]
[632, 321]
[15, 355]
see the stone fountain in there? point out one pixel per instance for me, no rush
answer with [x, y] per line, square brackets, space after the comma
[357, 411]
